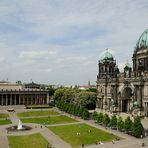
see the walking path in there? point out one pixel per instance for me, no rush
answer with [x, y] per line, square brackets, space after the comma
[127, 141]
[3, 138]
[54, 139]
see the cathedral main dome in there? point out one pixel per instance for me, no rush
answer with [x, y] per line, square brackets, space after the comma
[107, 56]
[142, 41]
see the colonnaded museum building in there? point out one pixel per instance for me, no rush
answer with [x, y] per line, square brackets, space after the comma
[22, 94]
[127, 91]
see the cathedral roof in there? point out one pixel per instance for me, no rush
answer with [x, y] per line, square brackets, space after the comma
[143, 40]
[107, 56]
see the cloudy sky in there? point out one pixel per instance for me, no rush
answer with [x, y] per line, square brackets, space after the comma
[61, 41]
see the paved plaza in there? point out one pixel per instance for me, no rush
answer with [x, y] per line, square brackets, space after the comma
[127, 141]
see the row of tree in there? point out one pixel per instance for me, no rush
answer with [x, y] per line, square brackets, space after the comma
[86, 99]
[134, 128]
[73, 109]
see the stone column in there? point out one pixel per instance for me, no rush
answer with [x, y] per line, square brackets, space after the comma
[19, 99]
[44, 99]
[146, 109]
[2, 100]
[39, 99]
[121, 105]
[10, 99]
[31, 99]
[23, 99]
[27, 99]
[6, 99]
[47, 98]
[15, 99]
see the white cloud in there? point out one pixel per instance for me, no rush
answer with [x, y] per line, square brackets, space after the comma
[36, 54]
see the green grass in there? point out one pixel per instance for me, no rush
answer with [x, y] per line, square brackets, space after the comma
[5, 121]
[69, 134]
[29, 141]
[3, 115]
[48, 120]
[37, 113]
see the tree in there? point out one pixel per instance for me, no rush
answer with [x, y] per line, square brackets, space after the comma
[85, 114]
[86, 99]
[58, 94]
[68, 95]
[137, 128]
[120, 123]
[94, 115]
[113, 121]
[92, 90]
[128, 125]
[76, 111]
[18, 82]
[80, 112]
[51, 90]
[106, 120]
[100, 118]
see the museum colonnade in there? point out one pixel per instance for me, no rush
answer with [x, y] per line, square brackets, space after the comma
[22, 99]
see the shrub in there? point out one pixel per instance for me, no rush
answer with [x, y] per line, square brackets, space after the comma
[113, 121]
[137, 129]
[120, 123]
[100, 118]
[85, 114]
[128, 125]
[106, 120]
[94, 115]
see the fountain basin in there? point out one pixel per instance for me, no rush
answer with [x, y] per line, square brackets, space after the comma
[15, 128]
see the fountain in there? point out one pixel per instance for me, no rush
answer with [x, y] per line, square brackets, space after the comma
[18, 127]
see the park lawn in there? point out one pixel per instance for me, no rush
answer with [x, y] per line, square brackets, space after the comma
[27, 141]
[5, 121]
[49, 120]
[37, 113]
[3, 115]
[88, 134]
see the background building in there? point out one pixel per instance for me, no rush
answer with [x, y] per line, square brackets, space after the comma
[22, 94]
[127, 91]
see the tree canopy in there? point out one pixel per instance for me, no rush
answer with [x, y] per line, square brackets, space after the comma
[85, 99]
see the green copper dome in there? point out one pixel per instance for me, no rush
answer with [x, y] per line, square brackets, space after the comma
[143, 40]
[107, 56]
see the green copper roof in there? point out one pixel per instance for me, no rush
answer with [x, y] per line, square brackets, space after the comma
[143, 40]
[107, 56]
[127, 64]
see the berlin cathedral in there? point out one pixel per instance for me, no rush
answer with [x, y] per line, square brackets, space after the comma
[127, 91]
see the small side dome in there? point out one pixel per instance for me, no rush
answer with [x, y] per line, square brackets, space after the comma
[143, 40]
[127, 66]
[107, 56]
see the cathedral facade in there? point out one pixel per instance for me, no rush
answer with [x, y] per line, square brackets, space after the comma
[127, 91]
